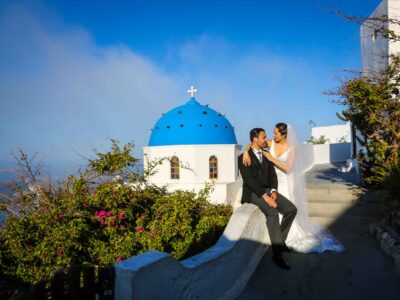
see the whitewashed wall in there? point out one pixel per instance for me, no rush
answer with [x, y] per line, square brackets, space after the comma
[324, 153]
[333, 133]
[196, 158]
[375, 49]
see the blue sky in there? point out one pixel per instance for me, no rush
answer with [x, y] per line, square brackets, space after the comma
[75, 73]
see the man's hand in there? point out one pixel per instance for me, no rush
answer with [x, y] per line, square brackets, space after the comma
[270, 201]
[274, 196]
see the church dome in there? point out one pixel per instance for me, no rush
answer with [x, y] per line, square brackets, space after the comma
[191, 124]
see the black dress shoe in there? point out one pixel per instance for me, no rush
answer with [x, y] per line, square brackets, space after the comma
[280, 262]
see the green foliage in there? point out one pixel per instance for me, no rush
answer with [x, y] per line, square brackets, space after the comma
[318, 141]
[343, 139]
[391, 183]
[373, 106]
[105, 214]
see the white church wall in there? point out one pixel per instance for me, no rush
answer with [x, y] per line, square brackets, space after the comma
[218, 195]
[186, 156]
[196, 158]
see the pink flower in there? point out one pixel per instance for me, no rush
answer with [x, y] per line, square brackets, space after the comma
[121, 215]
[118, 259]
[108, 214]
[139, 228]
[101, 213]
[59, 251]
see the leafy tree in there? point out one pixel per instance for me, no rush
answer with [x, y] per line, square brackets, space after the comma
[372, 104]
[106, 213]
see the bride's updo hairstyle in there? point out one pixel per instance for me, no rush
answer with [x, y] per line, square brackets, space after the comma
[282, 128]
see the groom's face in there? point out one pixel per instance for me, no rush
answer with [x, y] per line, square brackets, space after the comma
[261, 140]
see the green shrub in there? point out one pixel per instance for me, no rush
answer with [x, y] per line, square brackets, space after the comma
[105, 214]
[391, 183]
[372, 104]
[318, 141]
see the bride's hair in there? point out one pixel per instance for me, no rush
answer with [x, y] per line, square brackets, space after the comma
[282, 128]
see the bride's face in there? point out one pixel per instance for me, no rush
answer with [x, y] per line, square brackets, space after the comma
[278, 137]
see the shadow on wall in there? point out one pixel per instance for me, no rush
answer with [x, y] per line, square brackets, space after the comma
[339, 152]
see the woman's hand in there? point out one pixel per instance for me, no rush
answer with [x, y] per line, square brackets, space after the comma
[267, 155]
[246, 159]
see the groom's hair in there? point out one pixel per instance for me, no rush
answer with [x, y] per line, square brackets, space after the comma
[254, 133]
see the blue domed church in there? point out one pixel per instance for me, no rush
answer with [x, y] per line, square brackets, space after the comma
[201, 147]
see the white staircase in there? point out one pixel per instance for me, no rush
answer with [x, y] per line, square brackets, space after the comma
[334, 199]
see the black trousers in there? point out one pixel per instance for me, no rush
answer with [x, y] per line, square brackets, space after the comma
[277, 232]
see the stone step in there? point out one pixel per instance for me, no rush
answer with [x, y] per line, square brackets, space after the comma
[334, 209]
[342, 223]
[329, 194]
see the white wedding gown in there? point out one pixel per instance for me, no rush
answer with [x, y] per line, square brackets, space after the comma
[303, 236]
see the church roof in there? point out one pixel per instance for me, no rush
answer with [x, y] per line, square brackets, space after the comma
[191, 124]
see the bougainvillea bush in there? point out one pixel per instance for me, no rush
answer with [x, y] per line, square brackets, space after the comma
[105, 214]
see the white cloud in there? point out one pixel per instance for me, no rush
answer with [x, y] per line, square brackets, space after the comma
[61, 92]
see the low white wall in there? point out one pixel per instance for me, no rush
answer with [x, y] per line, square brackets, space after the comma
[324, 154]
[220, 272]
[334, 133]
[307, 155]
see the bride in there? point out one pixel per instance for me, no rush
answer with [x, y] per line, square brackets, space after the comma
[284, 153]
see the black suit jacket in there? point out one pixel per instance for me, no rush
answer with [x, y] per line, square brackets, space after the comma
[258, 178]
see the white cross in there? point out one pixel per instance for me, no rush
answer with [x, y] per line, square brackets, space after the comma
[192, 91]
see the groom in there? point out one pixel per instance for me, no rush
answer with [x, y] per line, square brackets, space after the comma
[260, 185]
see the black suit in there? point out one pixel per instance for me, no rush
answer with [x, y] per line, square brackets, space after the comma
[258, 179]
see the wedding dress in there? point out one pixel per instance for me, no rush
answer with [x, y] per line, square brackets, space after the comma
[303, 236]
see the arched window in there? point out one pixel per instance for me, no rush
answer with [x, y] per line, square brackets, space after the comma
[213, 167]
[174, 167]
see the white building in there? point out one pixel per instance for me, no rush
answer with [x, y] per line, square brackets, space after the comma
[375, 49]
[333, 133]
[201, 147]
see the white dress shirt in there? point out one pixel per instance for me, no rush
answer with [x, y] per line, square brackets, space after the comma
[260, 157]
